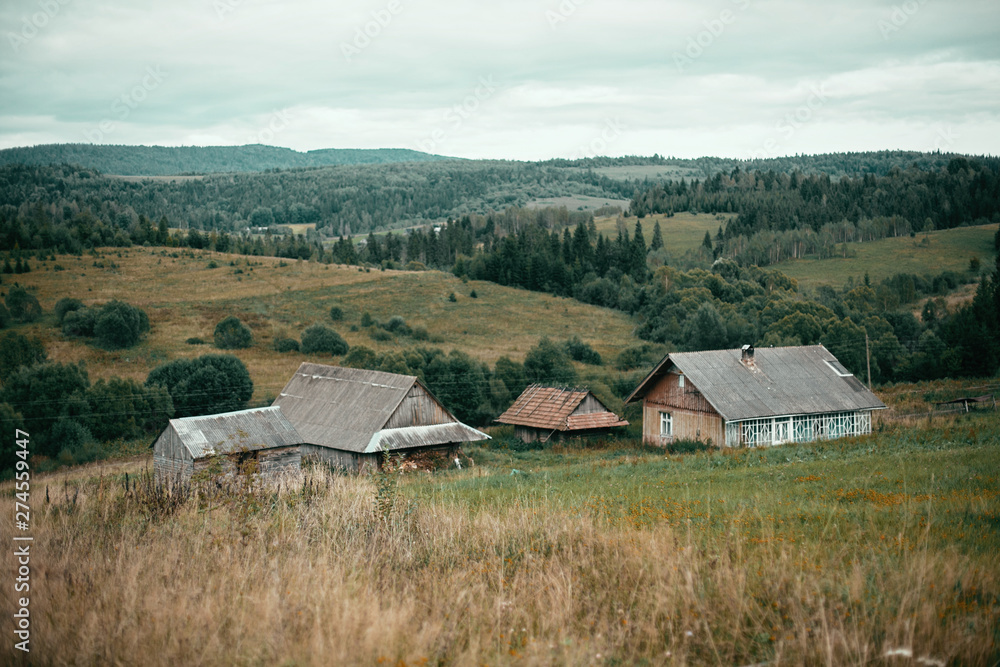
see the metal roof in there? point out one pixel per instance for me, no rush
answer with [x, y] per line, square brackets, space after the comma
[344, 408]
[391, 439]
[250, 430]
[781, 381]
[553, 408]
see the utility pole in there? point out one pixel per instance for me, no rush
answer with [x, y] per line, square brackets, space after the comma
[868, 357]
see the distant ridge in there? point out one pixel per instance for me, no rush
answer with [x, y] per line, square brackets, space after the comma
[173, 160]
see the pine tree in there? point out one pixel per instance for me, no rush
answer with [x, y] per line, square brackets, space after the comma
[657, 241]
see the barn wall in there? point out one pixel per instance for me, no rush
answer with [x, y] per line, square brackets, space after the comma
[418, 409]
[589, 405]
[171, 460]
[280, 460]
[694, 418]
[335, 458]
[529, 434]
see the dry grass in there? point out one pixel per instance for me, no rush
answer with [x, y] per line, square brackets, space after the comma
[185, 299]
[482, 567]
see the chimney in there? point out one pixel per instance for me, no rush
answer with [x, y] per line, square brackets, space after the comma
[748, 355]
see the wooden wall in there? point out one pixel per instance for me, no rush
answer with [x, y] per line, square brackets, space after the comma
[172, 462]
[694, 418]
[418, 409]
[335, 458]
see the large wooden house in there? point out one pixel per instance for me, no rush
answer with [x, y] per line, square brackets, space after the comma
[753, 398]
[349, 417]
[550, 413]
[188, 445]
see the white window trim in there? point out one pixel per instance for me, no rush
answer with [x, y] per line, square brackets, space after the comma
[666, 424]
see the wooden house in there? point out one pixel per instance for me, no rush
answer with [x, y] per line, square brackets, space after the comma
[348, 417]
[546, 413]
[753, 398]
[187, 446]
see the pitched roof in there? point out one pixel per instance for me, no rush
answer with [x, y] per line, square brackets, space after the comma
[553, 408]
[260, 428]
[781, 381]
[346, 408]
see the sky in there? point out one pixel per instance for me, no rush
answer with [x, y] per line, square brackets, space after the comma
[516, 79]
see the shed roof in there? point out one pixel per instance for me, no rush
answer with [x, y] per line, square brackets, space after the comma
[346, 408]
[781, 381]
[552, 408]
[251, 430]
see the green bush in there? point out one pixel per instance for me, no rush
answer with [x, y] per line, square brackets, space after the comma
[120, 325]
[320, 339]
[336, 313]
[207, 385]
[582, 352]
[546, 363]
[360, 357]
[45, 393]
[66, 305]
[232, 334]
[4, 317]
[18, 352]
[195, 341]
[286, 345]
[80, 322]
[23, 306]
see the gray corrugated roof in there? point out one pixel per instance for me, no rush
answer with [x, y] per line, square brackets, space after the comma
[783, 381]
[343, 408]
[260, 428]
[392, 439]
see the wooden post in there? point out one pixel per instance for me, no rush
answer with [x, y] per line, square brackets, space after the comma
[868, 357]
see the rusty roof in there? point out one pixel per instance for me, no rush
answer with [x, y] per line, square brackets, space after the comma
[782, 381]
[246, 430]
[344, 408]
[553, 408]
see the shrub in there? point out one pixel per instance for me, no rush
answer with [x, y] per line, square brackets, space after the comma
[366, 319]
[360, 357]
[123, 408]
[66, 305]
[380, 335]
[336, 313]
[195, 341]
[452, 297]
[22, 305]
[4, 317]
[232, 334]
[210, 384]
[473, 294]
[80, 322]
[582, 352]
[286, 345]
[17, 352]
[120, 325]
[320, 339]
[45, 393]
[546, 363]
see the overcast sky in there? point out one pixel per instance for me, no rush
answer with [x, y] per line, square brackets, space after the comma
[513, 79]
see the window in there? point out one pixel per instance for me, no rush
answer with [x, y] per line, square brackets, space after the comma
[680, 381]
[666, 425]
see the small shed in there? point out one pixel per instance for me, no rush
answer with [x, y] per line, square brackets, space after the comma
[187, 445]
[543, 413]
[753, 398]
[348, 417]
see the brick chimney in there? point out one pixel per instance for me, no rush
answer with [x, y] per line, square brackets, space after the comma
[748, 356]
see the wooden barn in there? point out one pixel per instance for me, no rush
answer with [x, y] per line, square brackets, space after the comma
[547, 413]
[263, 435]
[348, 417]
[753, 398]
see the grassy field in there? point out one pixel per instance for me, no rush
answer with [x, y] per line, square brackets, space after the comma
[579, 202]
[682, 232]
[848, 552]
[185, 299]
[944, 250]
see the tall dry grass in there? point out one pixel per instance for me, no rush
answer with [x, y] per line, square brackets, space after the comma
[349, 571]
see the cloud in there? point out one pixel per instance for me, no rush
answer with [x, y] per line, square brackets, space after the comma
[686, 78]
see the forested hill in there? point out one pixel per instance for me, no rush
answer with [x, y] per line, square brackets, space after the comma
[172, 160]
